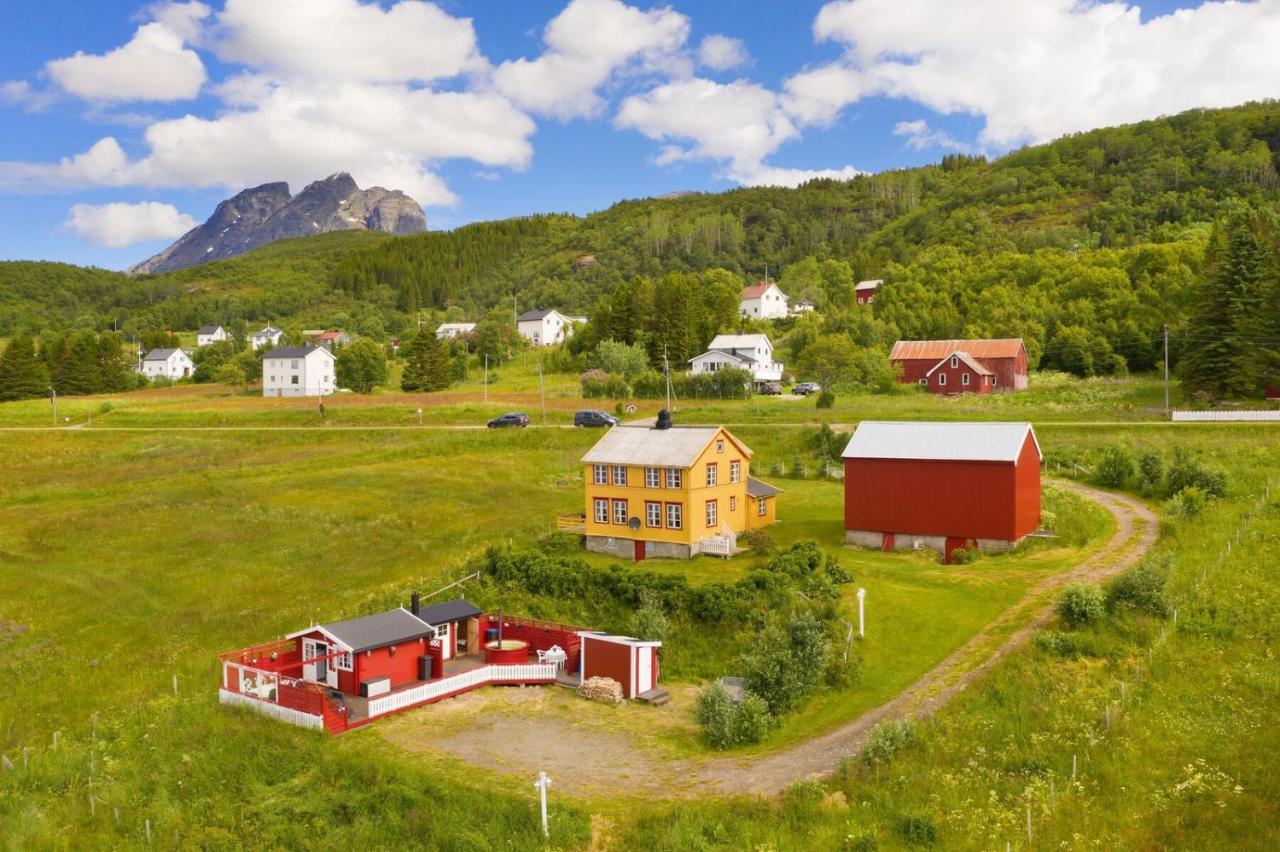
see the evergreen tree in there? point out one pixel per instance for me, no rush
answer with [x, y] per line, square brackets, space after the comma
[439, 368]
[80, 371]
[22, 374]
[112, 364]
[416, 356]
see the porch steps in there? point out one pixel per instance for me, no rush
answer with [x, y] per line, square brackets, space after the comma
[655, 696]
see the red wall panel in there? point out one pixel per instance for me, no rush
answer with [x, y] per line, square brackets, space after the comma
[402, 667]
[607, 659]
[962, 499]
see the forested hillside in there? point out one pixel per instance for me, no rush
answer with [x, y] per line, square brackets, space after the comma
[1087, 247]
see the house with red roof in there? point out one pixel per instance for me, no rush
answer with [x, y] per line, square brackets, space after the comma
[1004, 359]
[762, 300]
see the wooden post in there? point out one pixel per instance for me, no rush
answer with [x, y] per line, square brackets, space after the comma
[148, 831]
[862, 596]
[542, 784]
[1028, 824]
[1073, 769]
[175, 684]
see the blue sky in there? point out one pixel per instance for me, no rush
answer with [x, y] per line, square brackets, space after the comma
[122, 123]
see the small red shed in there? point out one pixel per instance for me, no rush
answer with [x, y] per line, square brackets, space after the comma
[631, 662]
[1006, 359]
[958, 373]
[941, 485]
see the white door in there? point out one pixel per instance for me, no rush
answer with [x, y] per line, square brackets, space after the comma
[644, 671]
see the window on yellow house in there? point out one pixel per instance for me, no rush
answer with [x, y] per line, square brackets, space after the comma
[733, 504]
[712, 474]
[601, 474]
[602, 510]
[762, 507]
[652, 514]
[651, 478]
[673, 478]
[673, 516]
[711, 513]
[619, 475]
[735, 471]
[620, 512]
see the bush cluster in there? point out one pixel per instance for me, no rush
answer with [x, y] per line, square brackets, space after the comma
[789, 664]
[730, 383]
[1150, 474]
[726, 723]
[1080, 605]
[1142, 588]
[886, 740]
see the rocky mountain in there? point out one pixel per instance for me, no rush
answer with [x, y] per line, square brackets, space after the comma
[267, 213]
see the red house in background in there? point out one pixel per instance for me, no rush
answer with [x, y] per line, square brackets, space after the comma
[958, 373]
[941, 486]
[1006, 359]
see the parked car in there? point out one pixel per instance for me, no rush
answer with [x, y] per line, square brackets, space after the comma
[594, 417]
[806, 388]
[771, 388]
[513, 418]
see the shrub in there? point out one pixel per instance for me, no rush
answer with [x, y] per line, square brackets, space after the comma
[886, 740]
[1186, 470]
[826, 398]
[561, 543]
[788, 665]
[1116, 466]
[965, 555]
[861, 841]
[650, 622]
[1066, 645]
[797, 468]
[1080, 604]
[714, 602]
[593, 384]
[918, 830]
[1187, 503]
[1150, 471]
[1142, 588]
[758, 540]
[726, 723]
[106, 408]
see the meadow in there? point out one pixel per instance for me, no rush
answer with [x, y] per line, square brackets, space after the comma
[130, 557]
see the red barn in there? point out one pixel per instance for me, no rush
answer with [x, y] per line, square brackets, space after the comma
[941, 485]
[958, 373]
[1006, 359]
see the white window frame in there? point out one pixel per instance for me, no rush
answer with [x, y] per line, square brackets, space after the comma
[675, 518]
[653, 513]
[342, 662]
[713, 514]
[719, 445]
[955, 361]
[964, 379]
[620, 518]
[735, 471]
[601, 506]
[713, 474]
[600, 473]
[673, 477]
[762, 506]
[619, 477]
[733, 503]
[942, 379]
[652, 477]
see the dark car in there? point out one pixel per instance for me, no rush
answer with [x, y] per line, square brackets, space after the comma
[512, 419]
[771, 388]
[594, 417]
[806, 388]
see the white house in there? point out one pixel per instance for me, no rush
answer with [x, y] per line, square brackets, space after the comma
[450, 330]
[865, 291]
[305, 370]
[750, 352]
[170, 363]
[762, 300]
[544, 328]
[802, 306]
[210, 334]
[269, 336]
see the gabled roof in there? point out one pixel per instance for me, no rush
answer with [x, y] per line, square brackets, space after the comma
[443, 613]
[755, 291]
[269, 331]
[375, 631]
[869, 284]
[760, 488]
[208, 329]
[644, 446]
[331, 335]
[968, 362]
[720, 353]
[161, 354]
[740, 341]
[461, 326]
[917, 441]
[296, 351]
[933, 350]
[529, 316]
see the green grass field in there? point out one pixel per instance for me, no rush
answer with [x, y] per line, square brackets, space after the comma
[129, 557]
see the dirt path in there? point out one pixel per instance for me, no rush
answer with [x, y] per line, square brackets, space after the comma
[609, 762]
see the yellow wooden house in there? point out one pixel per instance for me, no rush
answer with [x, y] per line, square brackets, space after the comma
[672, 491]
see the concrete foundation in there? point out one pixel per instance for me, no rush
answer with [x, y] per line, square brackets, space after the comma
[907, 541]
[625, 548]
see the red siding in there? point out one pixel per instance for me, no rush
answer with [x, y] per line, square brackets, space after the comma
[607, 659]
[978, 383]
[956, 499]
[402, 667]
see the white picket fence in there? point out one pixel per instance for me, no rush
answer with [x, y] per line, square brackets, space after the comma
[716, 546]
[1226, 416]
[275, 711]
[467, 680]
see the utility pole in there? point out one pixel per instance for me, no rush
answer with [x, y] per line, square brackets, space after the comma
[53, 398]
[666, 371]
[486, 378]
[542, 395]
[1166, 368]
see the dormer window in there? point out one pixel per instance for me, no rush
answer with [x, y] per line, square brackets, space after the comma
[955, 361]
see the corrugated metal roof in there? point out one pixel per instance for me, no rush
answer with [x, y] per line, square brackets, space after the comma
[911, 350]
[755, 291]
[375, 631]
[159, 354]
[208, 329]
[870, 284]
[296, 351]
[529, 316]
[678, 446]
[740, 341]
[968, 361]
[997, 442]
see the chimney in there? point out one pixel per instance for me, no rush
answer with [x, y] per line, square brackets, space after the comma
[414, 603]
[664, 419]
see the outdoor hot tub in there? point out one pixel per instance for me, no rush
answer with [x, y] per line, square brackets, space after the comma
[507, 652]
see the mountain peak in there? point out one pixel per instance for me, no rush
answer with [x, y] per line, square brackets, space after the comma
[265, 213]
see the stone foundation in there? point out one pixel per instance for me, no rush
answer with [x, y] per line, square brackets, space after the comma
[624, 548]
[907, 541]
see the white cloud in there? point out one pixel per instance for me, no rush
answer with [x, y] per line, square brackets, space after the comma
[920, 136]
[817, 95]
[184, 19]
[739, 124]
[104, 164]
[153, 66]
[347, 41]
[1037, 70]
[722, 53]
[20, 93]
[118, 224]
[586, 44]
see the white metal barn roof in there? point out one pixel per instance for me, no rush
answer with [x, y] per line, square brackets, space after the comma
[740, 341]
[994, 442]
[678, 446]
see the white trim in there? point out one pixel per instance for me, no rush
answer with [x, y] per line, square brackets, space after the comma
[619, 640]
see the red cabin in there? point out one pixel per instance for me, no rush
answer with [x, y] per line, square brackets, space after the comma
[1006, 359]
[941, 485]
[631, 662]
[958, 373]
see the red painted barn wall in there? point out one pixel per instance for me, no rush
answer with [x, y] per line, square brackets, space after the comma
[402, 667]
[978, 383]
[961, 499]
[607, 659]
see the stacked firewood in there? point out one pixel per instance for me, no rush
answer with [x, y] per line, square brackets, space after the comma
[604, 689]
